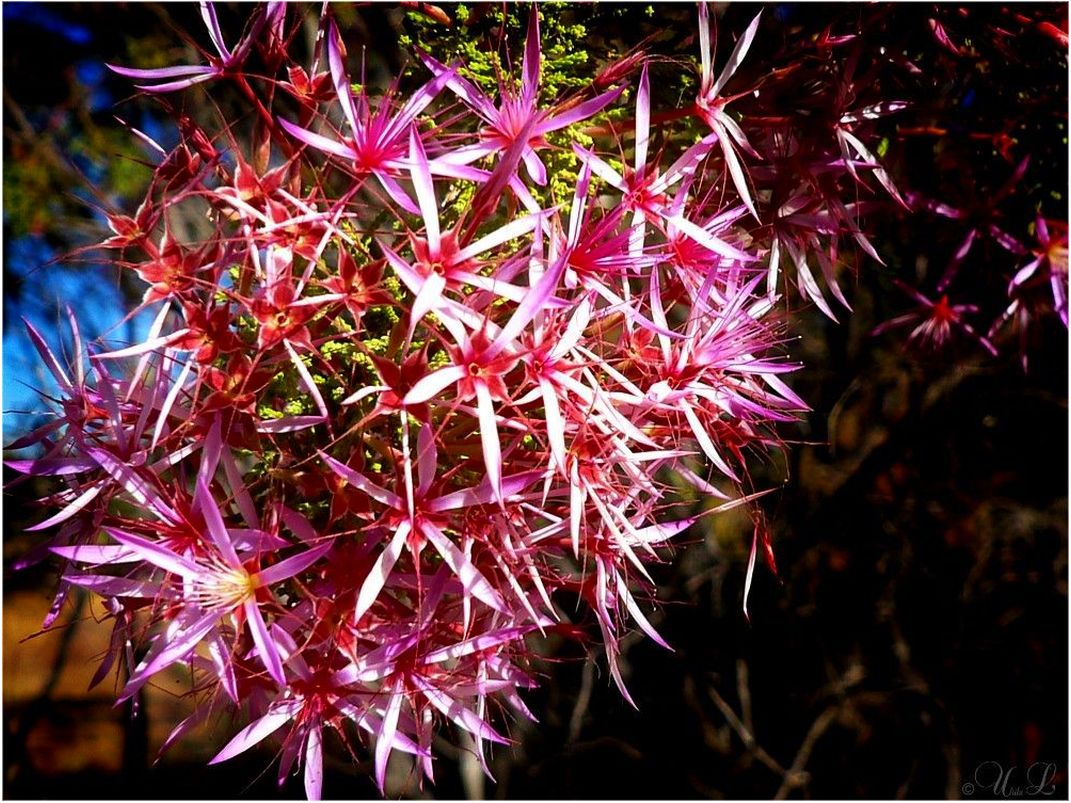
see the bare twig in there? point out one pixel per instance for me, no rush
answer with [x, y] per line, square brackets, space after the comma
[795, 776]
[743, 691]
[583, 700]
[745, 734]
[472, 778]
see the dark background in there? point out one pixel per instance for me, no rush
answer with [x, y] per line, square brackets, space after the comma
[918, 629]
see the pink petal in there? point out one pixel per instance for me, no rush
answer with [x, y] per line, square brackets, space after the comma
[601, 169]
[169, 402]
[492, 284]
[643, 120]
[141, 348]
[554, 423]
[534, 302]
[380, 571]
[318, 141]
[427, 458]
[455, 711]
[176, 85]
[1058, 282]
[255, 732]
[217, 530]
[157, 554]
[492, 449]
[340, 80]
[427, 300]
[385, 735]
[483, 493]
[193, 720]
[658, 314]
[293, 565]
[80, 502]
[879, 173]
[413, 280]
[576, 211]
[657, 533]
[107, 586]
[687, 163]
[183, 70]
[306, 379]
[737, 56]
[184, 643]
[581, 111]
[465, 90]
[314, 763]
[637, 614]
[417, 102]
[577, 493]
[808, 285]
[530, 70]
[471, 579]
[750, 571]
[532, 163]
[707, 74]
[433, 384]
[136, 486]
[50, 359]
[395, 191]
[37, 435]
[707, 240]
[208, 14]
[291, 423]
[97, 554]
[266, 649]
[479, 643]
[51, 466]
[705, 443]
[425, 192]
[363, 393]
[358, 480]
[211, 450]
[736, 170]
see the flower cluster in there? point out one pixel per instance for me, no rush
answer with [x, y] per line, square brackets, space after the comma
[999, 228]
[397, 403]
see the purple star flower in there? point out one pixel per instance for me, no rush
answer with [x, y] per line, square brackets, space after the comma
[224, 62]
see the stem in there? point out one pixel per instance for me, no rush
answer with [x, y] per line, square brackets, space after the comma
[265, 115]
[618, 129]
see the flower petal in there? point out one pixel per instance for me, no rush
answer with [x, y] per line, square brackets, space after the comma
[358, 480]
[266, 649]
[737, 56]
[157, 554]
[258, 730]
[318, 141]
[433, 384]
[293, 565]
[380, 571]
[314, 763]
[217, 530]
[385, 736]
[471, 579]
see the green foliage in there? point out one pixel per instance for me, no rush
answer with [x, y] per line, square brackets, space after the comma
[567, 67]
[43, 166]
